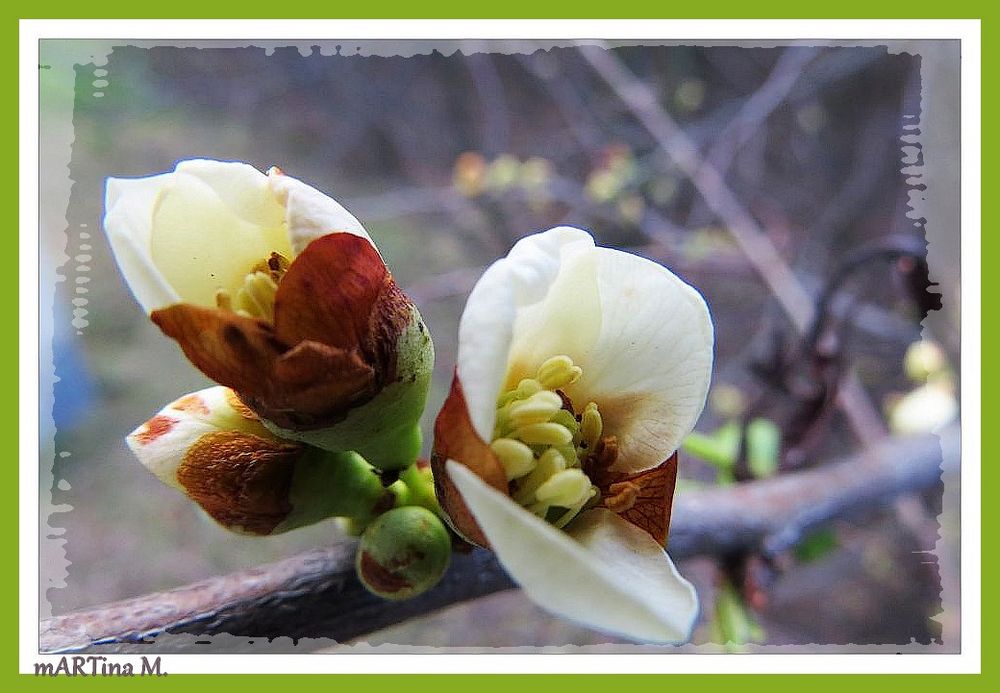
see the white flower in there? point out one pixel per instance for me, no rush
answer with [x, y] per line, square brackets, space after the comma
[182, 236]
[275, 290]
[580, 370]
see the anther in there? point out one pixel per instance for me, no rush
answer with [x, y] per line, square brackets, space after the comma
[223, 300]
[527, 387]
[591, 424]
[538, 408]
[621, 496]
[516, 457]
[565, 488]
[543, 434]
[558, 372]
[551, 462]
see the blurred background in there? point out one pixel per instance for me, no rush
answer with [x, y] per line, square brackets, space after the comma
[781, 181]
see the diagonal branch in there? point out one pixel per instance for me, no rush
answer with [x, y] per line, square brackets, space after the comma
[316, 595]
[749, 236]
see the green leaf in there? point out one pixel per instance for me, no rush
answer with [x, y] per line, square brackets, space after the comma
[732, 623]
[763, 447]
[719, 448]
[816, 546]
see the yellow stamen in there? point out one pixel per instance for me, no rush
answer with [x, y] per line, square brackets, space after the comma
[516, 457]
[543, 434]
[541, 442]
[549, 463]
[591, 425]
[538, 408]
[564, 489]
[255, 298]
[527, 387]
[558, 372]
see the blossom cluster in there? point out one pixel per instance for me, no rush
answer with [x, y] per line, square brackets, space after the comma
[579, 371]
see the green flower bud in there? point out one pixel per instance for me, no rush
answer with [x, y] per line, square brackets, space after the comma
[403, 553]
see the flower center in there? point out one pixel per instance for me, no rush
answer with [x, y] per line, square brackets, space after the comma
[544, 445]
[255, 299]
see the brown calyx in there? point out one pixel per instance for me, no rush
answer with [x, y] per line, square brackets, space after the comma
[455, 438]
[241, 480]
[338, 315]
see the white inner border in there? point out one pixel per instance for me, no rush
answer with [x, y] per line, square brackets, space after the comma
[968, 31]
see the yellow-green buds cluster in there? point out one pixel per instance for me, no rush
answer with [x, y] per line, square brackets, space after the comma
[540, 441]
[403, 552]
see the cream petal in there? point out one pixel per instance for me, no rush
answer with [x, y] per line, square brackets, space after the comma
[128, 215]
[487, 327]
[200, 244]
[161, 442]
[643, 337]
[603, 572]
[650, 367]
[241, 187]
[310, 213]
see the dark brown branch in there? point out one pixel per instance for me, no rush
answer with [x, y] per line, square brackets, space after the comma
[315, 594]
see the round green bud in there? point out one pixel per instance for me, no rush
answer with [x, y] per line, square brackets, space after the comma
[403, 553]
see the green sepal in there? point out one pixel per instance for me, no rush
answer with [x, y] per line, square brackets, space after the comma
[328, 485]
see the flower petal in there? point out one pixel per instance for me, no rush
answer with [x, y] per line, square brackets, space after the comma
[311, 214]
[456, 439]
[300, 387]
[487, 327]
[641, 335]
[241, 187]
[603, 572]
[201, 243]
[128, 216]
[651, 365]
[161, 442]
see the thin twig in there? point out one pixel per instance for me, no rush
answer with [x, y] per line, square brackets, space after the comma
[751, 238]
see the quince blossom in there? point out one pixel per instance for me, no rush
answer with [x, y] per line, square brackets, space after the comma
[580, 369]
[275, 290]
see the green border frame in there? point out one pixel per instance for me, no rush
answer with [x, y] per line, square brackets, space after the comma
[721, 9]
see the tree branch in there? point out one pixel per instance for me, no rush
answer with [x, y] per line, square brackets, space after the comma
[316, 594]
[744, 229]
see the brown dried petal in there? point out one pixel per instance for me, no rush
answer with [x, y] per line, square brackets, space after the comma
[233, 350]
[241, 480]
[315, 385]
[456, 439]
[339, 292]
[338, 318]
[651, 496]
